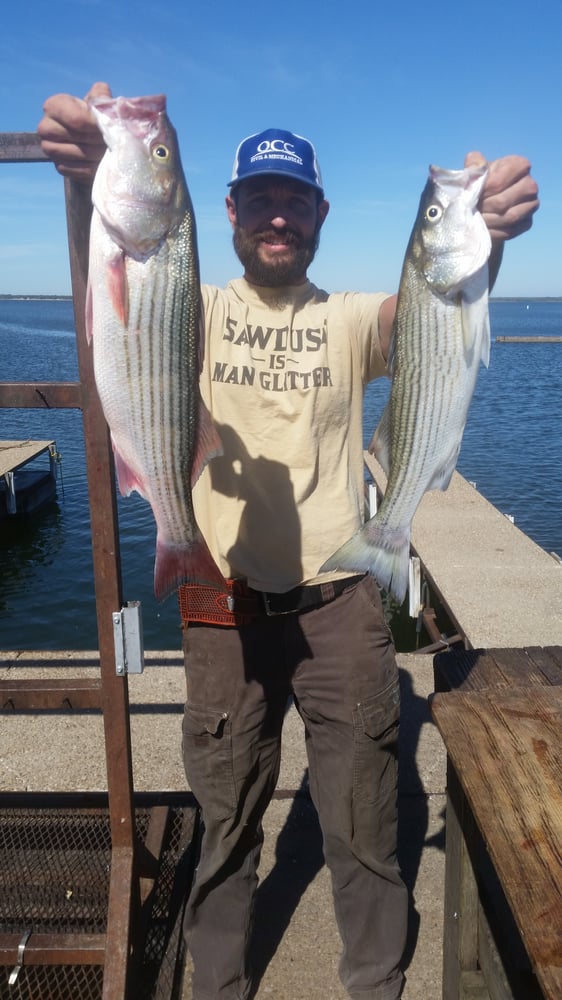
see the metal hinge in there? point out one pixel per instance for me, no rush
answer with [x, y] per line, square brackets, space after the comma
[127, 639]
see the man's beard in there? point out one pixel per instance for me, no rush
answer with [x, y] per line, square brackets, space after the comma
[275, 273]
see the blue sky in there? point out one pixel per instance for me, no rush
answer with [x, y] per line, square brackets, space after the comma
[381, 89]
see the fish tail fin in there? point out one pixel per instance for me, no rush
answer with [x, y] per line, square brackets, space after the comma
[189, 563]
[383, 552]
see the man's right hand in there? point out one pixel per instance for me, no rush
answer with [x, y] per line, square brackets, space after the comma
[69, 134]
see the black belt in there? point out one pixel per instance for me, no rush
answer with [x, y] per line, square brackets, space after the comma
[301, 598]
[238, 604]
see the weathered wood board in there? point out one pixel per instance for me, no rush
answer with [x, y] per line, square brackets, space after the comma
[506, 748]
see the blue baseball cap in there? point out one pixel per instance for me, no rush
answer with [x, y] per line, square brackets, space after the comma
[277, 152]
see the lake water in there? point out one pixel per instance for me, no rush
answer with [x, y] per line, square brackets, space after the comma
[512, 450]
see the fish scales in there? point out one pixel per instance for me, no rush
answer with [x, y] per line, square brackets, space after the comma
[416, 424]
[144, 321]
[162, 416]
[441, 333]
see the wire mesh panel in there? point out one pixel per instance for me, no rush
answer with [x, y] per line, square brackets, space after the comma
[54, 879]
[55, 982]
[54, 870]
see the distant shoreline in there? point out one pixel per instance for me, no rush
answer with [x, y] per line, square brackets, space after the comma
[34, 298]
[493, 298]
[525, 298]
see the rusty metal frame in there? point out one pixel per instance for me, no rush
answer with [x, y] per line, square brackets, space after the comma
[110, 693]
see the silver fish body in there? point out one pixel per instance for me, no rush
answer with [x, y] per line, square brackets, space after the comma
[441, 334]
[143, 318]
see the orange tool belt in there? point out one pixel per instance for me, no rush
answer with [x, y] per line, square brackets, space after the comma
[238, 604]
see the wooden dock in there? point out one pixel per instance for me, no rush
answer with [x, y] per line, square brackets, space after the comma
[498, 587]
[23, 490]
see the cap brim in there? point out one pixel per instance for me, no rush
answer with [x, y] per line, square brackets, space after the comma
[272, 172]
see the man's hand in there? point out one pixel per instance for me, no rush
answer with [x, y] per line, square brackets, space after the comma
[507, 203]
[70, 136]
[510, 195]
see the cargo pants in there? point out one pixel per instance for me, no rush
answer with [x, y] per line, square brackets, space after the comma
[338, 663]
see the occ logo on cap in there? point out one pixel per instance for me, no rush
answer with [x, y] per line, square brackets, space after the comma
[277, 152]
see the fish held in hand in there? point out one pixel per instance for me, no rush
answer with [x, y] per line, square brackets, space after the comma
[441, 333]
[143, 318]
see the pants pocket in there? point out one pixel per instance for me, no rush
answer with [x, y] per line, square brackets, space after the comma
[207, 753]
[375, 735]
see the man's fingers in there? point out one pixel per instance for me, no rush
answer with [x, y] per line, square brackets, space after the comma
[98, 90]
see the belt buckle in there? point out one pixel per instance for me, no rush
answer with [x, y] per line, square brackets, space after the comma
[269, 610]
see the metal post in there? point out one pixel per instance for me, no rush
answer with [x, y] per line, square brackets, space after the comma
[107, 575]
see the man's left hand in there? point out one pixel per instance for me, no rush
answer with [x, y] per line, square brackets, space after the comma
[510, 195]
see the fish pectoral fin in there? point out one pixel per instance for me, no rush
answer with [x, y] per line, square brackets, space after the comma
[442, 476]
[118, 287]
[392, 350]
[475, 318]
[379, 445]
[127, 480]
[208, 445]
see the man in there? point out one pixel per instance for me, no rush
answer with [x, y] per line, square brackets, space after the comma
[285, 368]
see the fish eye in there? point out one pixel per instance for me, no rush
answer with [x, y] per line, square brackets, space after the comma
[161, 152]
[433, 213]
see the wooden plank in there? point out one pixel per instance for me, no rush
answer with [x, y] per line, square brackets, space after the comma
[460, 926]
[549, 661]
[478, 669]
[521, 982]
[516, 667]
[506, 748]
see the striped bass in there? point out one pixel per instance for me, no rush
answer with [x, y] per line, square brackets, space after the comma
[143, 319]
[441, 333]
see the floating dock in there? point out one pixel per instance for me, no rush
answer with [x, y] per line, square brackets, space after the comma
[23, 490]
[528, 340]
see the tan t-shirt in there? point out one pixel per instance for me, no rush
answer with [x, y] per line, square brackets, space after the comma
[283, 377]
